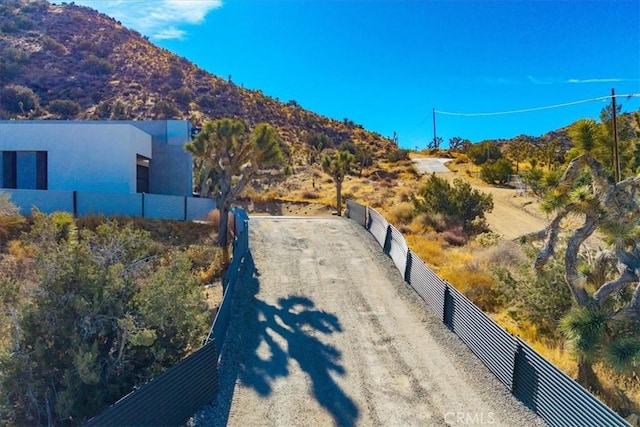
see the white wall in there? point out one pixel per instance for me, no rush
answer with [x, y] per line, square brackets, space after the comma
[82, 156]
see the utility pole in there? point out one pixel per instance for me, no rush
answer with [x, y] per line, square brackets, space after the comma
[434, 125]
[616, 156]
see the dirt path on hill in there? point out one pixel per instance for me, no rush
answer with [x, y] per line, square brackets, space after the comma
[325, 332]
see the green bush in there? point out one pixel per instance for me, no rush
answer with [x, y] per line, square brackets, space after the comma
[98, 66]
[165, 110]
[206, 101]
[497, 172]
[396, 155]
[52, 46]
[182, 96]
[459, 203]
[18, 56]
[104, 314]
[64, 108]
[18, 99]
[480, 154]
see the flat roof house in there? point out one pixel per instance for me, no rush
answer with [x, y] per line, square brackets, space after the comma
[96, 156]
[101, 159]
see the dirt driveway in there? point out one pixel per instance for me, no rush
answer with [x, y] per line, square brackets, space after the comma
[325, 332]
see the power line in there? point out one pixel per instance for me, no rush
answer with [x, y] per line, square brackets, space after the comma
[527, 110]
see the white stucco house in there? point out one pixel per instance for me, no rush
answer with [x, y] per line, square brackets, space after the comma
[112, 167]
[96, 156]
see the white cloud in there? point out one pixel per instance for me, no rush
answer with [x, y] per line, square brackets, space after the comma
[539, 81]
[160, 19]
[599, 80]
[170, 33]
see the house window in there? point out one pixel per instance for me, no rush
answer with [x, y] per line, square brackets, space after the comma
[24, 170]
[142, 174]
[9, 172]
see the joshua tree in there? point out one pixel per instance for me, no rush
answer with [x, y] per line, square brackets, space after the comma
[338, 166]
[605, 321]
[234, 154]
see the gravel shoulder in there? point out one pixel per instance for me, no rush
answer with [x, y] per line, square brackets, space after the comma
[326, 332]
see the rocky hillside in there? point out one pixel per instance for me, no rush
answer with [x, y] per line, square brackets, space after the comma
[71, 62]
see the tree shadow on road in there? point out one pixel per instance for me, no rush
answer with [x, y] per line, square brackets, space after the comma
[274, 336]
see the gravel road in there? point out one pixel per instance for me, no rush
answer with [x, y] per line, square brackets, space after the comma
[325, 332]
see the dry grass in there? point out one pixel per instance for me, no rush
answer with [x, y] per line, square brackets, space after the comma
[429, 248]
[213, 297]
[475, 283]
[402, 213]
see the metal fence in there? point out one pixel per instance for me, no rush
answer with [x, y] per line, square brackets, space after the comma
[174, 396]
[170, 399]
[240, 251]
[551, 394]
[79, 203]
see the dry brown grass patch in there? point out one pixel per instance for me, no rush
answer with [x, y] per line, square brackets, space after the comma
[401, 213]
[429, 248]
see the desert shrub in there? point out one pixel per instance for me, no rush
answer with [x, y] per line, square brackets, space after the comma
[8, 71]
[502, 253]
[18, 99]
[119, 111]
[165, 110]
[51, 45]
[207, 261]
[454, 237]
[11, 222]
[539, 297]
[397, 154]
[435, 221]
[480, 154]
[488, 238]
[459, 203]
[476, 284]
[20, 249]
[206, 101]
[103, 110]
[19, 56]
[114, 315]
[348, 146]
[23, 22]
[497, 172]
[533, 181]
[64, 108]
[98, 66]
[182, 96]
[429, 248]
[401, 213]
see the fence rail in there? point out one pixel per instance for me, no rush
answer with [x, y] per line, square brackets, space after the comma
[174, 396]
[551, 394]
[79, 203]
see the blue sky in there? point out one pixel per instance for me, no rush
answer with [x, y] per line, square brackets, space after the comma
[388, 64]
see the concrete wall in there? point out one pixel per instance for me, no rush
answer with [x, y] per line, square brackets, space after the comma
[156, 206]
